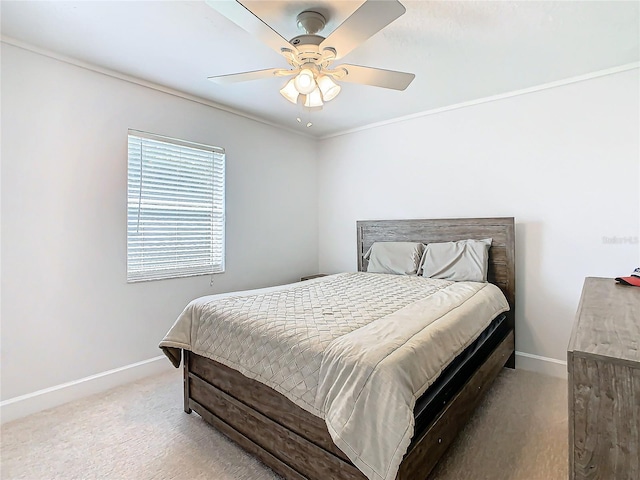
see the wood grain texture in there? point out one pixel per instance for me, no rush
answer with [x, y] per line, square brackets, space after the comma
[608, 321]
[292, 449]
[246, 443]
[604, 384]
[261, 398]
[607, 420]
[185, 379]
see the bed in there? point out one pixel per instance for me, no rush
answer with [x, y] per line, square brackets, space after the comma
[296, 443]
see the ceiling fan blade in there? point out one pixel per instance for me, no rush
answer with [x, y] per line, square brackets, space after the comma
[376, 77]
[371, 17]
[245, 19]
[254, 75]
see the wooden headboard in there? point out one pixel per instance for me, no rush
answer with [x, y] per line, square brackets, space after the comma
[502, 261]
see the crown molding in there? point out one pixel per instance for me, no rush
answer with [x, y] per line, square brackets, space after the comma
[143, 83]
[493, 98]
[170, 91]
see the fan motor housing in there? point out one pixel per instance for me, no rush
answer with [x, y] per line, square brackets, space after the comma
[311, 22]
[307, 51]
[306, 39]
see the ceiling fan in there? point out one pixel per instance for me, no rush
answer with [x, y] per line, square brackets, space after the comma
[311, 56]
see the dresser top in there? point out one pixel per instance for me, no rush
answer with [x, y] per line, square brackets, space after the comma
[608, 321]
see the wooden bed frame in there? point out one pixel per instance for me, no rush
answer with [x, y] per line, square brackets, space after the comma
[295, 443]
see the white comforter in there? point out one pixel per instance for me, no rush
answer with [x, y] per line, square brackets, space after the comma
[356, 349]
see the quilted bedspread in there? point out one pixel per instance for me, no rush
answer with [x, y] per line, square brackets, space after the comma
[356, 349]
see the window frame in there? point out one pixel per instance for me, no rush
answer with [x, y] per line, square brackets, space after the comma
[218, 211]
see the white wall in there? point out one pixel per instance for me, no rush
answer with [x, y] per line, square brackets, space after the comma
[67, 311]
[564, 162]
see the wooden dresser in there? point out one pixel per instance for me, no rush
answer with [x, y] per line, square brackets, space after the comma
[603, 360]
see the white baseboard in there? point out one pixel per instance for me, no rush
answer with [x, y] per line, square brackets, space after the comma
[545, 365]
[24, 405]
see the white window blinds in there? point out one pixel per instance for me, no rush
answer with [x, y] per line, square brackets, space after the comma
[175, 208]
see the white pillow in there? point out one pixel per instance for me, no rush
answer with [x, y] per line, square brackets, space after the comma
[462, 261]
[400, 258]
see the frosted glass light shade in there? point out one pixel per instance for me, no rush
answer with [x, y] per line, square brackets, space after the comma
[304, 81]
[289, 91]
[328, 87]
[313, 99]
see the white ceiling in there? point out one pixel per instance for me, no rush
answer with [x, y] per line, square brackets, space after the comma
[459, 51]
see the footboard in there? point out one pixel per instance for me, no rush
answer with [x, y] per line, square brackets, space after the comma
[295, 443]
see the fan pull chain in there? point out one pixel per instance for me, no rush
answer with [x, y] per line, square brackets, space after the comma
[308, 124]
[301, 118]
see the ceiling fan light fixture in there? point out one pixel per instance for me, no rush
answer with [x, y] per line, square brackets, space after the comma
[305, 82]
[314, 99]
[290, 92]
[328, 87]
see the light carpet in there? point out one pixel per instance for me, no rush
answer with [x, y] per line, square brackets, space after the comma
[139, 431]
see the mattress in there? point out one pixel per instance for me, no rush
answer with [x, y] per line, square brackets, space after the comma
[356, 349]
[453, 377]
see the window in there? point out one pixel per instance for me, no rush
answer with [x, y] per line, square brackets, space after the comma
[175, 208]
